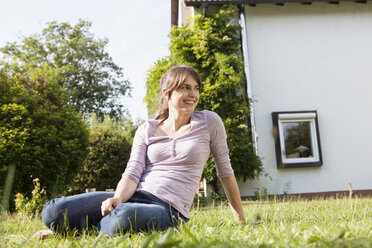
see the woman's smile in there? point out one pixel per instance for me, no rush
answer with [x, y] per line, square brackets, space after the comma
[190, 101]
[186, 97]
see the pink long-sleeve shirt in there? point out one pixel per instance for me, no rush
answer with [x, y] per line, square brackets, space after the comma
[171, 168]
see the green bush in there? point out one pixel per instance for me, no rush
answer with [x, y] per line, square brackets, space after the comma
[211, 45]
[108, 153]
[39, 131]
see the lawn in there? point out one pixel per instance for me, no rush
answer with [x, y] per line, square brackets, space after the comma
[296, 223]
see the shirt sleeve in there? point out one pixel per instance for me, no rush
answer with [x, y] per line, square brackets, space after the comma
[218, 144]
[137, 161]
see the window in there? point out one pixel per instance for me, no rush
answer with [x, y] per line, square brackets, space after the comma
[297, 142]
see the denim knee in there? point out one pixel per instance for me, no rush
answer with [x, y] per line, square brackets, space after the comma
[53, 214]
[119, 221]
[134, 217]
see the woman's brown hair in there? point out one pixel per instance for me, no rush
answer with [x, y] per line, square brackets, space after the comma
[171, 80]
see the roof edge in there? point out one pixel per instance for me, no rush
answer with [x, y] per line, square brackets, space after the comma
[197, 3]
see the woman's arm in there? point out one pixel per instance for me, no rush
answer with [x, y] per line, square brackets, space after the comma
[125, 189]
[232, 192]
[220, 152]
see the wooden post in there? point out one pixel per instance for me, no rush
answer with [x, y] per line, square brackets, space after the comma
[174, 13]
[8, 186]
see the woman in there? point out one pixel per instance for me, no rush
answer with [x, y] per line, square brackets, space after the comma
[164, 170]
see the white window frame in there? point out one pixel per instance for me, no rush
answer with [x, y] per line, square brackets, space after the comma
[298, 116]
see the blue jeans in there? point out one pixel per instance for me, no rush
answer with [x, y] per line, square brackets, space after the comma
[142, 212]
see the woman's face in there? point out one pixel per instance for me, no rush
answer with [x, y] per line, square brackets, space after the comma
[185, 98]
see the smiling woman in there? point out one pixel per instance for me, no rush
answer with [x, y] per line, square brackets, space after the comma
[178, 82]
[180, 88]
[163, 173]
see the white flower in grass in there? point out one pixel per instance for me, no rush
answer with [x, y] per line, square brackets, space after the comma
[209, 229]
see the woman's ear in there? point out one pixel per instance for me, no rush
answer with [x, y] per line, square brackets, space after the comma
[165, 92]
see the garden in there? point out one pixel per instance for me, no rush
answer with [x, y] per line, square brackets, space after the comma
[62, 130]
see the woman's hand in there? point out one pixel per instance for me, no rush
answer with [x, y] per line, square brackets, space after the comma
[109, 205]
[125, 189]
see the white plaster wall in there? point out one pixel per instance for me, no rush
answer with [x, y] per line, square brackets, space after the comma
[184, 13]
[314, 57]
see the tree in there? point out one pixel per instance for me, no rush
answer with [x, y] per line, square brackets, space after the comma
[13, 134]
[108, 153]
[93, 81]
[39, 131]
[211, 46]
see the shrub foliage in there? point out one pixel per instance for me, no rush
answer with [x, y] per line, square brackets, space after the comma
[108, 153]
[211, 45]
[39, 131]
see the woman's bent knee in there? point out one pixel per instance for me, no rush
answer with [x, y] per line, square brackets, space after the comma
[133, 217]
[53, 214]
[118, 221]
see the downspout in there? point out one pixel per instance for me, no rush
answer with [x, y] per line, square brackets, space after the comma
[248, 77]
[205, 9]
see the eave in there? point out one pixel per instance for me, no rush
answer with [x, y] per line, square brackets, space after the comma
[199, 3]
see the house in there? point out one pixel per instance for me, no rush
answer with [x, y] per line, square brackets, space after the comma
[309, 73]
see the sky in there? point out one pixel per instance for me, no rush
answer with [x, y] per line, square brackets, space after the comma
[137, 31]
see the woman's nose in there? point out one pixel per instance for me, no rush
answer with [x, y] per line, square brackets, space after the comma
[193, 92]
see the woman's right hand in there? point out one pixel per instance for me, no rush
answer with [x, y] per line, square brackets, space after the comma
[109, 205]
[125, 189]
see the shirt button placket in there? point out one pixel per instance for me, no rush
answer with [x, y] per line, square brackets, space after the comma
[174, 148]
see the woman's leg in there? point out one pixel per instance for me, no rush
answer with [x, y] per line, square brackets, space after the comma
[74, 212]
[133, 216]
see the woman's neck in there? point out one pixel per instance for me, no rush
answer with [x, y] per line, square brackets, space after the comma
[177, 120]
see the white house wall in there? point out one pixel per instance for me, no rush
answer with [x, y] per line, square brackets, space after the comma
[184, 13]
[313, 57]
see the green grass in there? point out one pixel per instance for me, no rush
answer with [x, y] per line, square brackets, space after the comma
[317, 223]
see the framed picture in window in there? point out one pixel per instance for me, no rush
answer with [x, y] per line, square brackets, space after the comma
[297, 142]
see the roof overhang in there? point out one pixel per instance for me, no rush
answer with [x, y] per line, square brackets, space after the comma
[198, 3]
